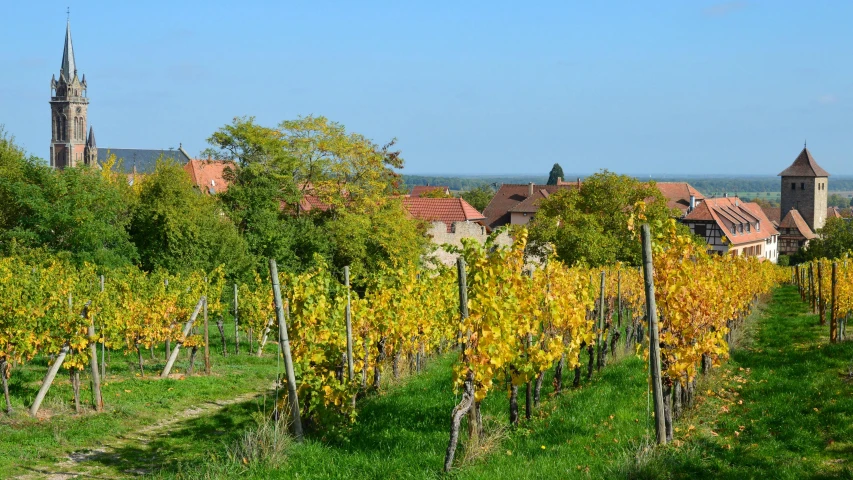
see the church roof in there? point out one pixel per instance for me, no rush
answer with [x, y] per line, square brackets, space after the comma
[804, 166]
[69, 68]
[91, 140]
[144, 160]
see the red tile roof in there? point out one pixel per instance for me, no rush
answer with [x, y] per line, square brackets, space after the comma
[678, 194]
[531, 203]
[732, 210]
[447, 210]
[419, 190]
[774, 214]
[804, 166]
[509, 195]
[207, 175]
[833, 212]
[794, 220]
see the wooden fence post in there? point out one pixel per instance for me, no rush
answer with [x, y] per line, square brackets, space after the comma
[350, 359]
[284, 341]
[601, 351]
[654, 340]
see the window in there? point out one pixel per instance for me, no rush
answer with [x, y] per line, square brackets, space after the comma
[802, 185]
[740, 228]
[748, 228]
[793, 186]
[700, 230]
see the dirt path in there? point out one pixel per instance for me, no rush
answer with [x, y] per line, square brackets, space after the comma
[81, 464]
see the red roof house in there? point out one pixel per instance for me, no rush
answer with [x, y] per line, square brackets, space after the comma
[447, 210]
[208, 175]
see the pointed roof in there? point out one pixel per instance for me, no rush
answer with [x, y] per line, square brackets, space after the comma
[804, 166]
[69, 68]
[794, 220]
[91, 140]
[735, 212]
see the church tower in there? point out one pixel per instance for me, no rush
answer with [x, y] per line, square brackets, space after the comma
[804, 186]
[68, 114]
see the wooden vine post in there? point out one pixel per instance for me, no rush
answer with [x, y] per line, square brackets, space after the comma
[350, 360]
[602, 349]
[654, 338]
[284, 342]
[96, 376]
[206, 341]
[187, 327]
[833, 315]
[812, 296]
[236, 324]
[821, 304]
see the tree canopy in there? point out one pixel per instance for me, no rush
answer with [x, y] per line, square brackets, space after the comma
[555, 174]
[593, 224]
[478, 197]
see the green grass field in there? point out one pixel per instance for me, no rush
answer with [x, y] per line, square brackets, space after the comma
[782, 407]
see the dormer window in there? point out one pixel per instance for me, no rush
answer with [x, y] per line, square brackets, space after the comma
[748, 228]
[740, 228]
[757, 226]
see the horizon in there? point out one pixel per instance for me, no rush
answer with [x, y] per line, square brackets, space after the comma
[464, 89]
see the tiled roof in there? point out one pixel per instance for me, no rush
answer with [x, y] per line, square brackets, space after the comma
[510, 195]
[207, 175]
[734, 211]
[419, 190]
[774, 214]
[833, 212]
[793, 219]
[145, 161]
[678, 194]
[804, 166]
[447, 210]
[531, 203]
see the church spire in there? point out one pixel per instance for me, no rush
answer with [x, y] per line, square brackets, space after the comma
[69, 68]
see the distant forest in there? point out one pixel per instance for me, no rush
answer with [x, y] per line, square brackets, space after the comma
[707, 185]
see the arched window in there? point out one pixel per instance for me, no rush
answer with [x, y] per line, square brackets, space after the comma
[76, 129]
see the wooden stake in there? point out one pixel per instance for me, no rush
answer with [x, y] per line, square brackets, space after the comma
[236, 325]
[350, 359]
[96, 377]
[284, 341]
[187, 327]
[833, 315]
[654, 340]
[206, 341]
[820, 302]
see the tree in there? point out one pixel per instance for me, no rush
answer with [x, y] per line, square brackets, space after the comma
[436, 192]
[556, 173]
[478, 197]
[178, 229]
[836, 200]
[834, 239]
[592, 224]
[76, 211]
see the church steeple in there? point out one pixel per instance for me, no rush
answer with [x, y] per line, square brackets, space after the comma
[68, 107]
[69, 68]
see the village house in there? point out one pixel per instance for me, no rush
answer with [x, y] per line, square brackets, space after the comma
[731, 226]
[680, 196]
[517, 204]
[208, 176]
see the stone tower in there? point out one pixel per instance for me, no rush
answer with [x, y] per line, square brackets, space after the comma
[68, 114]
[804, 186]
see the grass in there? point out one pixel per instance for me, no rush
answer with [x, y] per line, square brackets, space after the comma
[132, 402]
[781, 408]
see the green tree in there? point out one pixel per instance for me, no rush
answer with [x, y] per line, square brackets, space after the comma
[436, 193]
[179, 229]
[836, 200]
[593, 224]
[556, 173]
[76, 211]
[834, 239]
[478, 197]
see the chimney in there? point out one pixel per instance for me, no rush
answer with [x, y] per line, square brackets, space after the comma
[692, 202]
[579, 182]
[559, 180]
[530, 189]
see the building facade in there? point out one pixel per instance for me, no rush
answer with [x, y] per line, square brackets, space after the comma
[730, 226]
[804, 188]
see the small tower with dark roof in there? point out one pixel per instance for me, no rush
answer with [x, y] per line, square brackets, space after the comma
[68, 111]
[804, 188]
[91, 149]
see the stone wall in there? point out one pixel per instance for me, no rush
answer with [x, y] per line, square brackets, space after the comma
[459, 230]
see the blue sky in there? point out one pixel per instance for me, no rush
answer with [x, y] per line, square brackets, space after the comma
[682, 87]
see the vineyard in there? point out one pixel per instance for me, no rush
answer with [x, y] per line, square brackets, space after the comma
[507, 323]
